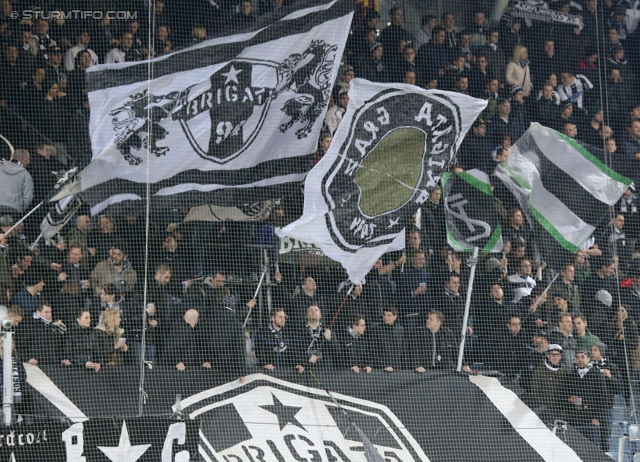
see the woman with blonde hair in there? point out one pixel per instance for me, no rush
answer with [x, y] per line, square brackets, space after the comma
[518, 72]
[109, 335]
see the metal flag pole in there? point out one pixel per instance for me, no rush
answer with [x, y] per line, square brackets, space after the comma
[473, 262]
[68, 177]
[255, 295]
[537, 302]
[35, 243]
[7, 372]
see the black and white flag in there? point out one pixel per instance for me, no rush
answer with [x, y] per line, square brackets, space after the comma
[226, 121]
[386, 157]
[540, 13]
[470, 212]
[60, 215]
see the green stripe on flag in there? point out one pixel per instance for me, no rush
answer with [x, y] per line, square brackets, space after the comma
[476, 183]
[495, 237]
[456, 245]
[546, 224]
[595, 161]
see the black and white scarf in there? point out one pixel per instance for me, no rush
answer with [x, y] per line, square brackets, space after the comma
[279, 340]
[583, 371]
[316, 338]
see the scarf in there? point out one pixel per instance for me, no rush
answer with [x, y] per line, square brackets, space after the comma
[524, 63]
[602, 364]
[550, 366]
[37, 316]
[316, 337]
[353, 333]
[280, 341]
[582, 372]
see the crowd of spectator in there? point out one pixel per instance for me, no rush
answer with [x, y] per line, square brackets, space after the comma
[82, 299]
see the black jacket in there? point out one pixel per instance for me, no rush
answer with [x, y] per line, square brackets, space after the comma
[326, 350]
[82, 346]
[355, 351]
[510, 353]
[389, 345]
[280, 351]
[43, 342]
[433, 350]
[185, 345]
[593, 391]
[225, 344]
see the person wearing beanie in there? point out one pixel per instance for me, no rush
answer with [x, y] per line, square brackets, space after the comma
[548, 380]
[614, 382]
[583, 396]
[519, 118]
[373, 68]
[584, 338]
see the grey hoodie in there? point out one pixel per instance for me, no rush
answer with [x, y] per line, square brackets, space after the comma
[16, 186]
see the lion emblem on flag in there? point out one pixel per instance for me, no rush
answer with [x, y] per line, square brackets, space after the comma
[232, 105]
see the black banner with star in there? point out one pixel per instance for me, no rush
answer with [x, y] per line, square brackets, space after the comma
[283, 416]
[146, 439]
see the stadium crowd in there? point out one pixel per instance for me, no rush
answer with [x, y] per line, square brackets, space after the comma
[74, 299]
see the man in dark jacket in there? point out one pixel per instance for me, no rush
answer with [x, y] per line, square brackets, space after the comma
[412, 290]
[184, 348]
[225, 341]
[510, 348]
[389, 343]
[42, 337]
[432, 346]
[275, 347]
[615, 386]
[317, 345]
[584, 395]
[354, 347]
[547, 382]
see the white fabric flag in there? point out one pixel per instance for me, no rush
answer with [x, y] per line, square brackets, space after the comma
[388, 154]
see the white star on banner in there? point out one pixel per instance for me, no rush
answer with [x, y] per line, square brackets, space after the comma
[231, 75]
[124, 452]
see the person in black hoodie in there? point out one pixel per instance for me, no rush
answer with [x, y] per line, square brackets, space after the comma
[389, 343]
[275, 346]
[82, 347]
[226, 341]
[356, 354]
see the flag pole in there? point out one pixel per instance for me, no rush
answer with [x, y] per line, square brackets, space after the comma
[473, 263]
[67, 178]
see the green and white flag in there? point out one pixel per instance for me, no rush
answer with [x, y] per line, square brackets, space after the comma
[470, 214]
[564, 189]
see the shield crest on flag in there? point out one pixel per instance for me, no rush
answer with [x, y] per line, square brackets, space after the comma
[393, 156]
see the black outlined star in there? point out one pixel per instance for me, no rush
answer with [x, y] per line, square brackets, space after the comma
[286, 414]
